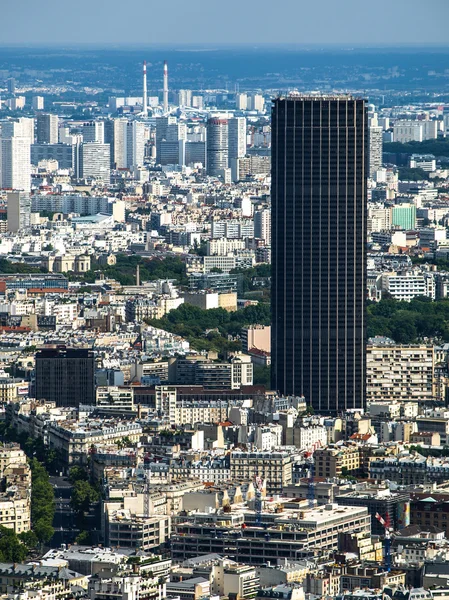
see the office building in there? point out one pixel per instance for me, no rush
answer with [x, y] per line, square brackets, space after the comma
[319, 172]
[65, 376]
[404, 216]
[15, 160]
[47, 129]
[18, 211]
[135, 144]
[37, 103]
[217, 146]
[65, 154]
[236, 138]
[93, 131]
[11, 85]
[262, 225]
[115, 136]
[162, 125]
[375, 149]
[94, 162]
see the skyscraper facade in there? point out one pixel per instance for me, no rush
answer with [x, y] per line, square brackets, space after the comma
[95, 161]
[47, 129]
[18, 211]
[236, 138]
[15, 154]
[319, 197]
[217, 146]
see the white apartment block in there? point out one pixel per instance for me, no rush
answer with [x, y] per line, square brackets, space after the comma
[408, 285]
[223, 246]
[396, 372]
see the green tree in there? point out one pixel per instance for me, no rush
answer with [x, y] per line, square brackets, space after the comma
[83, 495]
[78, 474]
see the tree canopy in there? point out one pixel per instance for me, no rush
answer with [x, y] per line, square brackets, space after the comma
[409, 322]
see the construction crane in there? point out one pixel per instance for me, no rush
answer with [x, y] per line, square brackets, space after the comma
[258, 500]
[387, 537]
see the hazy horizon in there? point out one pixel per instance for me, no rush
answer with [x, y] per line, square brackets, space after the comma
[200, 23]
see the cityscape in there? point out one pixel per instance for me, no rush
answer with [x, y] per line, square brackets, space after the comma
[224, 305]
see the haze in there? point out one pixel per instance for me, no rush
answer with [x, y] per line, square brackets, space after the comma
[193, 22]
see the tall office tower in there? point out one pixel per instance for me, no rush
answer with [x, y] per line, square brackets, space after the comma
[318, 231]
[236, 138]
[95, 161]
[93, 131]
[11, 85]
[144, 90]
[262, 225]
[185, 98]
[135, 143]
[15, 154]
[217, 146]
[37, 103]
[18, 211]
[115, 134]
[162, 125]
[65, 376]
[47, 129]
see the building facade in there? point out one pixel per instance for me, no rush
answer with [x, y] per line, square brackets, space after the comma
[319, 197]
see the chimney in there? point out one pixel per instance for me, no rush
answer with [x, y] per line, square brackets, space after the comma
[138, 275]
[165, 98]
[145, 96]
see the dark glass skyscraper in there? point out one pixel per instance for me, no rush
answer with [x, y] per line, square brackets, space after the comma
[319, 171]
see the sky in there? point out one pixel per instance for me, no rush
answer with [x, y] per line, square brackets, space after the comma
[199, 22]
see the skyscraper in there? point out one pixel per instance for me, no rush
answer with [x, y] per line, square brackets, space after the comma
[18, 211]
[319, 171]
[47, 129]
[95, 161]
[262, 225]
[15, 154]
[236, 138]
[65, 376]
[217, 146]
[93, 131]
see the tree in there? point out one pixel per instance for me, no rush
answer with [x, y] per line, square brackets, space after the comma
[77, 474]
[29, 538]
[43, 530]
[83, 495]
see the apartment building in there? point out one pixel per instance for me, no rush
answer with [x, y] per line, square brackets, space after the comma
[275, 467]
[334, 461]
[400, 372]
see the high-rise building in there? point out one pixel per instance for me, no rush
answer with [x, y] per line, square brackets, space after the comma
[375, 149]
[236, 138]
[93, 131]
[262, 225]
[95, 161]
[37, 103]
[65, 376]
[135, 144]
[115, 136]
[47, 129]
[162, 129]
[15, 154]
[319, 172]
[11, 85]
[217, 146]
[185, 98]
[18, 211]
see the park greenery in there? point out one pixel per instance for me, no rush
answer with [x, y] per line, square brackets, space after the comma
[409, 322]
[438, 147]
[213, 329]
